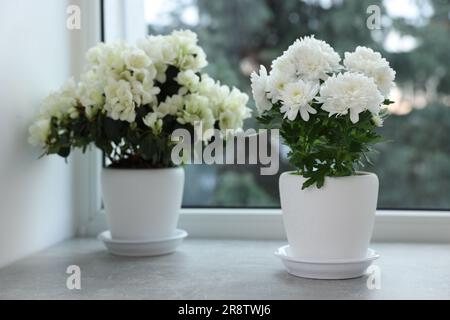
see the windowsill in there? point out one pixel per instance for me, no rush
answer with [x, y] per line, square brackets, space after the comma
[219, 269]
[267, 224]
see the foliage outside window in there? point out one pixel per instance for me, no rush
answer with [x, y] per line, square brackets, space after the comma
[241, 35]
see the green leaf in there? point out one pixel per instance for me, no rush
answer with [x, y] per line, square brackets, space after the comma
[64, 152]
[147, 147]
[308, 183]
[114, 129]
[324, 146]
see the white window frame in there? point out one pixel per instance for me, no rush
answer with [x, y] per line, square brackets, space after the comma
[267, 224]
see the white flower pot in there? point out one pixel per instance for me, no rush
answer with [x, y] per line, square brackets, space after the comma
[142, 204]
[333, 222]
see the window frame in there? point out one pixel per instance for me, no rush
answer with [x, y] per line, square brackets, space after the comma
[409, 225]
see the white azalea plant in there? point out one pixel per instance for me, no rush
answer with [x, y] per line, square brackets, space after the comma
[327, 110]
[131, 98]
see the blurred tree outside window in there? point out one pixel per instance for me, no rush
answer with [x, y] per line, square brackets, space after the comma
[239, 35]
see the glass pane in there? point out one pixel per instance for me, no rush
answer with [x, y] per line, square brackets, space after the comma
[238, 35]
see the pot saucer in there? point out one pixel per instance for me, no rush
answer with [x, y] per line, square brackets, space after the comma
[331, 269]
[154, 247]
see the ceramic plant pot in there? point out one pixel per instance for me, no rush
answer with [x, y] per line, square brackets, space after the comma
[142, 204]
[333, 222]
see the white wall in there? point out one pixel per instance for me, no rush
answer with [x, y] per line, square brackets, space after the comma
[35, 195]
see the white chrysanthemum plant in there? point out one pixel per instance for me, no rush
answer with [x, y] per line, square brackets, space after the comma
[130, 99]
[327, 112]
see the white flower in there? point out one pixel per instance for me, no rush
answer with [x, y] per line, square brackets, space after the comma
[62, 102]
[350, 92]
[158, 49]
[331, 56]
[179, 49]
[377, 120]
[119, 101]
[215, 92]
[142, 87]
[160, 52]
[229, 120]
[90, 95]
[296, 97]
[136, 59]
[109, 56]
[39, 132]
[113, 56]
[90, 92]
[154, 121]
[171, 105]
[236, 101]
[371, 64]
[122, 79]
[188, 80]
[277, 81]
[206, 84]
[196, 109]
[308, 59]
[161, 72]
[259, 90]
[116, 71]
[233, 111]
[188, 54]
[94, 54]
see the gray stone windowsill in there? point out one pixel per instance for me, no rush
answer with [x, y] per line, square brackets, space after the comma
[219, 269]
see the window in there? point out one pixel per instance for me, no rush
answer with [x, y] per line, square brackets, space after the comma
[238, 35]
